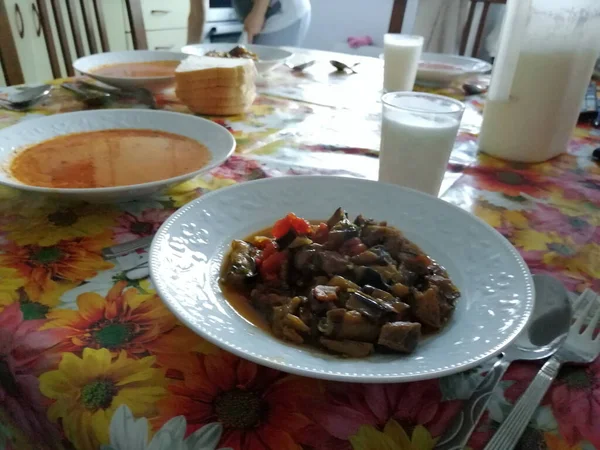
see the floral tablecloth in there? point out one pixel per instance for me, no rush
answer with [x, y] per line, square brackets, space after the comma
[90, 357]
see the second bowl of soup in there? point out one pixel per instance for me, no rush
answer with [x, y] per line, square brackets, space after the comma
[150, 69]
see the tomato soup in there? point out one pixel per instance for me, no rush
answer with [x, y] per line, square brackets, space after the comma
[146, 69]
[108, 158]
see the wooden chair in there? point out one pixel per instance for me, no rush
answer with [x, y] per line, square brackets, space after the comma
[9, 58]
[480, 27]
[93, 20]
[398, 11]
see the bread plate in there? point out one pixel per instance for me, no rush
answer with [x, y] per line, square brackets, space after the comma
[268, 57]
[497, 289]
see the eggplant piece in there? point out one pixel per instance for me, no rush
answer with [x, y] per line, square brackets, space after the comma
[284, 241]
[366, 258]
[367, 275]
[378, 293]
[343, 230]
[400, 290]
[241, 265]
[373, 235]
[362, 221]
[370, 307]
[325, 293]
[349, 348]
[281, 328]
[400, 336]
[300, 241]
[307, 259]
[333, 263]
[445, 287]
[343, 283]
[419, 264]
[342, 324]
[337, 216]
[427, 310]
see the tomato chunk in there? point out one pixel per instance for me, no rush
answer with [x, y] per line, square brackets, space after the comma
[289, 222]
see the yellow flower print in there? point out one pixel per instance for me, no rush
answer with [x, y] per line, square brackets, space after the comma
[50, 224]
[555, 442]
[10, 282]
[532, 240]
[51, 271]
[497, 216]
[393, 437]
[578, 260]
[189, 190]
[87, 391]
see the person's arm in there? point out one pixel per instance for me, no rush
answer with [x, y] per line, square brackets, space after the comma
[255, 21]
[195, 22]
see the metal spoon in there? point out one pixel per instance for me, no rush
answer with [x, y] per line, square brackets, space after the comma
[545, 332]
[340, 66]
[89, 98]
[301, 67]
[140, 94]
[24, 98]
[28, 95]
[475, 88]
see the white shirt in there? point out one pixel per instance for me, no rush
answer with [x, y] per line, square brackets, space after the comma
[291, 11]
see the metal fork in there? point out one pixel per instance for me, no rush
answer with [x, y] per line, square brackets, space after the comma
[580, 347]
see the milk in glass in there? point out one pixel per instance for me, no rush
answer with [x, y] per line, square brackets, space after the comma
[401, 56]
[417, 137]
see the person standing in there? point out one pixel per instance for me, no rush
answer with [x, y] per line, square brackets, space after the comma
[196, 19]
[274, 22]
[267, 22]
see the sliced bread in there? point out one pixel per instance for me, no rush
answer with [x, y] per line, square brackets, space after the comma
[206, 71]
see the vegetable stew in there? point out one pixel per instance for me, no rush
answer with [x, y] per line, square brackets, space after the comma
[349, 287]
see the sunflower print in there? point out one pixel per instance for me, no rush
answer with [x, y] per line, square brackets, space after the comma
[125, 321]
[48, 225]
[50, 271]
[87, 391]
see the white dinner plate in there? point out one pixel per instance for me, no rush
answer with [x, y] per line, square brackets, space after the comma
[496, 286]
[216, 138]
[438, 69]
[87, 64]
[268, 57]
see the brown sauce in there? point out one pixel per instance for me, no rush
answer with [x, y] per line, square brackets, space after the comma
[138, 69]
[240, 301]
[108, 158]
[242, 305]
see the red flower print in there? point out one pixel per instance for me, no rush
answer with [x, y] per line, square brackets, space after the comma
[535, 262]
[511, 182]
[259, 408]
[345, 407]
[238, 168]
[25, 353]
[131, 227]
[579, 185]
[574, 398]
[545, 218]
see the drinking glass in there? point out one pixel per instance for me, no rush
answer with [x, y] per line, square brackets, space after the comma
[401, 54]
[417, 135]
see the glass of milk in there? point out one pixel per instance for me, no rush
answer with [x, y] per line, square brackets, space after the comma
[417, 136]
[545, 61]
[401, 55]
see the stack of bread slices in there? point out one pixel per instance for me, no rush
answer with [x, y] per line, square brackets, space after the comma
[216, 86]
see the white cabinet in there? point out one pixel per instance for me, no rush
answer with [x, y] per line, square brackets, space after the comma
[29, 39]
[165, 23]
